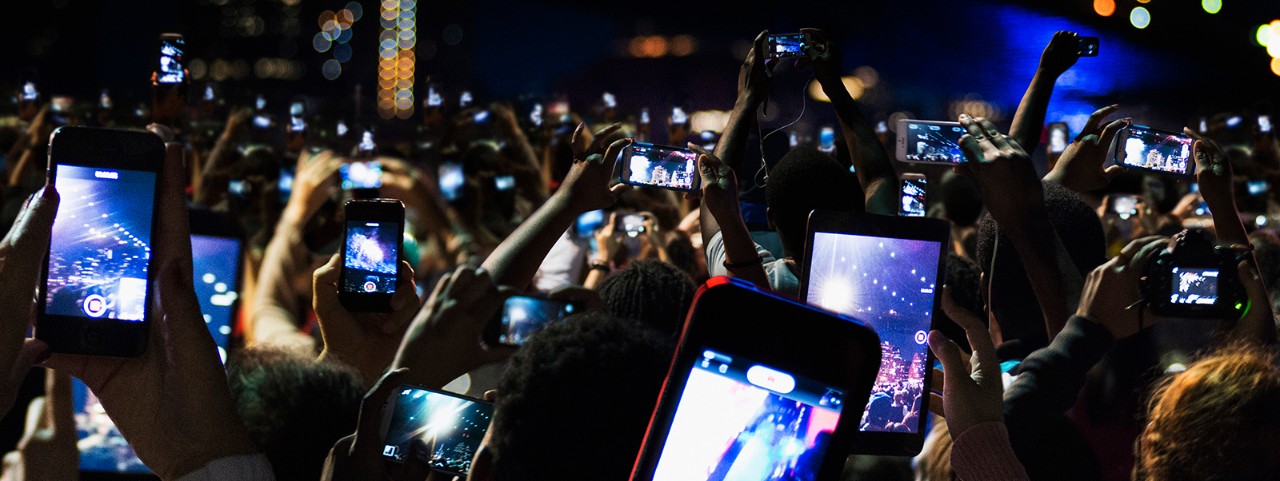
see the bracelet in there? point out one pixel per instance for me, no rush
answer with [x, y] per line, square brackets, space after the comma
[738, 265]
[600, 266]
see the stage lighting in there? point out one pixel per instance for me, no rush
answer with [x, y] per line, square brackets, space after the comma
[1140, 17]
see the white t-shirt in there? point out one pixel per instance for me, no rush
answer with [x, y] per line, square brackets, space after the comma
[562, 266]
[781, 279]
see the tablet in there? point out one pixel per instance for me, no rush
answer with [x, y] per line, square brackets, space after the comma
[761, 387]
[888, 273]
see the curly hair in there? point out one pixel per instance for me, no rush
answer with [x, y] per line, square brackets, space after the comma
[653, 292]
[575, 401]
[1215, 421]
[293, 407]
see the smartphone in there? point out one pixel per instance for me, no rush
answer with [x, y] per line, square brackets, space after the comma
[610, 101]
[747, 399]
[366, 142]
[297, 125]
[886, 272]
[521, 316]
[96, 290]
[341, 129]
[786, 45]
[1204, 125]
[588, 223]
[1088, 46]
[912, 199]
[434, 99]
[104, 100]
[371, 254]
[1264, 123]
[1141, 147]
[665, 167]
[535, 115]
[465, 99]
[208, 93]
[217, 250]
[171, 65]
[882, 127]
[262, 121]
[481, 117]
[632, 225]
[297, 109]
[361, 175]
[930, 141]
[1234, 121]
[284, 184]
[504, 182]
[1059, 137]
[827, 140]
[678, 117]
[1125, 206]
[644, 116]
[1258, 187]
[60, 109]
[451, 181]
[451, 426]
[260, 102]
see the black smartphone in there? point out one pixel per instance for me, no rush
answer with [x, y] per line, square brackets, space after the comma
[1059, 137]
[912, 199]
[886, 272]
[96, 290]
[171, 66]
[371, 254]
[522, 316]
[930, 141]
[1087, 46]
[361, 175]
[648, 165]
[786, 45]
[1142, 147]
[747, 399]
[449, 425]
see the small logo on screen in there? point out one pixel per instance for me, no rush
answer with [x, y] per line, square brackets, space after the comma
[106, 174]
[370, 287]
[95, 305]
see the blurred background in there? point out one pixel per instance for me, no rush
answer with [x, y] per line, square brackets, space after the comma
[1169, 63]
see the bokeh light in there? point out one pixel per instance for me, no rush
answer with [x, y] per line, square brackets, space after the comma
[331, 69]
[1211, 6]
[1263, 37]
[1275, 66]
[1140, 17]
[1104, 7]
[397, 62]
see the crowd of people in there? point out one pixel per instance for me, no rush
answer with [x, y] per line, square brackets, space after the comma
[1052, 367]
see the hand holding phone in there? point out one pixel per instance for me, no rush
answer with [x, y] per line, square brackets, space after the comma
[447, 428]
[930, 141]
[912, 196]
[522, 316]
[1141, 147]
[785, 45]
[371, 254]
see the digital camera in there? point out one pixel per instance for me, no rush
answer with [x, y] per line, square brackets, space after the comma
[1196, 279]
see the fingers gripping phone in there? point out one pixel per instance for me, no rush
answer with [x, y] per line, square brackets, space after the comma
[912, 196]
[371, 254]
[522, 316]
[96, 291]
[1141, 147]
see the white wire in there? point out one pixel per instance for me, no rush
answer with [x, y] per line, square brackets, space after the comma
[756, 179]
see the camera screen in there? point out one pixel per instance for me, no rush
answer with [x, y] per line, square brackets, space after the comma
[788, 45]
[504, 182]
[633, 225]
[522, 316]
[934, 142]
[1088, 47]
[451, 180]
[740, 420]
[366, 141]
[262, 121]
[215, 263]
[1264, 123]
[371, 257]
[1258, 187]
[1194, 286]
[589, 222]
[888, 284]
[361, 175]
[101, 243]
[297, 125]
[1125, 205]
[665, 167]
[450, 426]
[1158, 151]
[912, 198]
[171, 61]
[102, 448]
[1058, 138]
[29, 91]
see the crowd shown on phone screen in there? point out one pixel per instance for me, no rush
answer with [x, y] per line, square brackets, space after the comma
[547, 266]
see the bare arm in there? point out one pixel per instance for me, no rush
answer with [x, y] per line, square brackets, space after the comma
[1058, 56]
[754, 84]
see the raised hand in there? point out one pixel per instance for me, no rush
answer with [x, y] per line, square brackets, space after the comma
[1082, 166]
[755, 78]
[1061, 53]
[21, 253]
[820, 53]
[588, 181]
[972, 391]
[1010, 186]
[719, 184]
[366, 341]
[312, 184]
[1112, 291]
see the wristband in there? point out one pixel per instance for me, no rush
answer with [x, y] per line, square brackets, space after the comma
[738, 265]
[601, 266]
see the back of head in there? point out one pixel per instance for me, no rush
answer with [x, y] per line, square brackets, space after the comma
[1012, 300]
[961, 199]
[806, 180]
[653, 292]
[1215, 421]
[293, 407]
[589, 382]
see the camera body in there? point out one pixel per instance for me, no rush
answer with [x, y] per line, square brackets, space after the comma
[1196, 279]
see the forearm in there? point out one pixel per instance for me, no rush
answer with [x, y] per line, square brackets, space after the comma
[276, 310]
[1051, 377]
[515, 261]
[870, 161]
[1226, 221]
[1054, 278]
[733, 143]
[740, 249]
[1029, 118]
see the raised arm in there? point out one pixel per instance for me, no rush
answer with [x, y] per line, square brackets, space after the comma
[870, 160]
[1061, 53]
[720, 199]
[515, 261]
[1014, 196]
[213, 175]
[755, 81]
[1082, 167]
